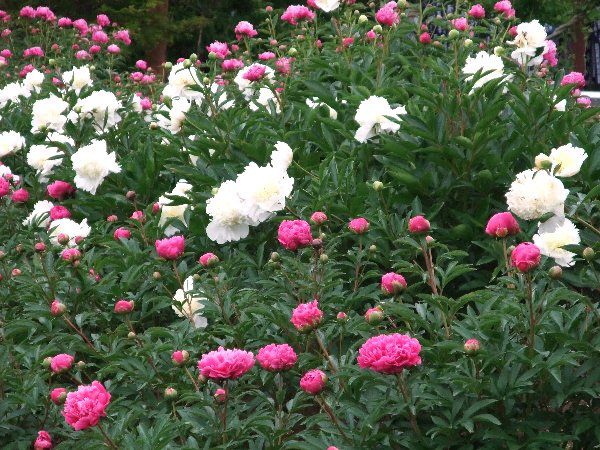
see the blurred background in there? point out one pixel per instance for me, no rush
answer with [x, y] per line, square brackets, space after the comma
[167, 29]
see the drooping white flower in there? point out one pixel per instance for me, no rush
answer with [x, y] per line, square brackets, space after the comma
[178, 113]
[567, 160]
[530, 37]
[43, 158]
[263, 191]
[169, 211]
[553, 235]
[40, 215]
[77, 78]
[13, 92]
[189, 304]
[265, 98]
[92, 163]
[101, 106]
[535, 193]
[69, 228]
[282, 156]
[47, 114]
[33, 81]
[327, 5]
[484, 62]
[316, 103]
[181, 82]
[373, 117]
[229, 219]
[10, 142]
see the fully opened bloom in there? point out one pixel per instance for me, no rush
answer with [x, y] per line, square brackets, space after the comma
[101, 106]
[10, 142]
[567, 160]
[169, 211]
[307, 316]
[313, 381]
[77, 78]
[276, 357]
[525, 257]
[374, 115]
[92, 163]
[170, 248]
[47, 114]
[225, 364]
[244, 29]
[84, 407]
[489, 65]
[295, 13]
[535, 193]
[389, 353]
[530, 37]
[327, 5]
[43, 158]
[501, 225]
[553, 235]
[294, 234]
[229, 221]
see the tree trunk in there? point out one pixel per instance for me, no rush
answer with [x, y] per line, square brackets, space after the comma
[158, 55]
[579, 45]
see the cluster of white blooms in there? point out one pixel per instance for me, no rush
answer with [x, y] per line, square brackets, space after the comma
[92, 163]
[175, 115]
[169, 211]
[10, 142]
[101, 106]
[77, 78]
[189, 304]
[530, 37]
[181, 83]
[47, 114]
[373, 115]
[40, 215]
[490, 65]
[255, 196]
[33, 81]
[538, 191]
[70, 229]
[13, 92]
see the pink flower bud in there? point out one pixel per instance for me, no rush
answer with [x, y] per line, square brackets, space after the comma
[471, 346]
[393, 283]
[418, 224]
[460, 24]
[180, 357]
[307, 316]
[43, 441]
[57, 308]
[220, 395]
[71, 254]
[170, 248]
[122, 233]
[208, 260]
[102, 20]
[313, 381]
[141, 64]
[39, 247]
[60, 190]
[359, 225]
[342, 316]
[58, 396]
[113, 49]
[124, 306]
[477, 12]
[318, 218]
[374, 315]
[139, 216]
[112, 218]
[425, 38]
[61, 363]
[525, 257]
[501, 225]
[59, 212]
[16, 272]
[20, 196]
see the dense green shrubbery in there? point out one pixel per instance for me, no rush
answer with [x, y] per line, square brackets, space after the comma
[449, 147]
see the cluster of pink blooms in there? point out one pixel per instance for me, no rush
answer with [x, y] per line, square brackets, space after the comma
[294, 234]
[389, 353]
[225, 364]
[85, 406]
[170, 248]
[297, 13]
[36, 52]
[307, 316]
[276, 357]
[41, 12]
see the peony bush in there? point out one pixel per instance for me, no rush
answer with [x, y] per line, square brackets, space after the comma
[348, 226]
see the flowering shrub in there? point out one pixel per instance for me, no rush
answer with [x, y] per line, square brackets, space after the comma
[394, 212]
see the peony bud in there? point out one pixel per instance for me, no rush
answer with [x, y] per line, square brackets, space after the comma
[468, 43]
[543, 162]
[193, 57]
[156, 275]
[453, 33]
[57, 308]
[80, 365]
[374, 316]
[131, 335]
[168, 65]
[130, 195]
[275, 257]
[16, 272]
[324, 258]
[429, 240]
[180, 357]
[525, 257]
[555, 272]
[292, 51]
[39, 247]
[62, 239]
[170, 393]
[317, 243]
[589, 254]
[377, 28]
[373, 248]
[58, 396]
[220, 395]
[471, 346]
[46, 362]
[318, 218]
[112, 218]
[418, 224]
[359, 225]
[377, 185]
[124, 306]
[209, 260]
[362, 19]
[499, 51]
[342, 316]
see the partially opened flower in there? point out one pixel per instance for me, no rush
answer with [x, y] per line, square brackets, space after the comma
[525, 257]
[389, 353]
[189, 303]
[313, 381]
[276, 357]
[501, 225]
[553, 235]
[225, 364]
[375, 115]
[170, 248]
[307, 316]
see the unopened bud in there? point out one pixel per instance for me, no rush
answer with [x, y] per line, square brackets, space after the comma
[220, 395]
[168, 65]
[57, 308]
[214, 191]
[543, 162]
[377, 185]
[471, 346]
[193, 57]
[187, 63]
[292, 51]
[555, 272]
[362, 18]
[324, 258]
[377, 28]
[196, 277]
[153, 126]
[131, 335]
[468, 43]
[453, 34]
[206, 80]
[429, 240]
[589, 254]
[80, 365]
[156, 275]
[373, 248]
[212, 56]
[130, 195]
[374, 316]
[342, 316]
[16, 272]
[275, 256]
[170, 393]
[317, 243]
[46, 362]
[499, 51]
[19, 248]
[39, 247]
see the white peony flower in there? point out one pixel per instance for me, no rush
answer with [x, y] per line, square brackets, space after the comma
[372, 116]
[102, 106]
[47, 114]
[530, 37]
[10, 142]
[92, 163]
[327, 5]
[40, 215]
[5, 170]
[229, 220]
[535, 193]
[554, 234]
[180, 83]
[282, 156]
[316, 103]
[169, 211]
[263, 191]
[187, 303]
[77, 78]
[561, 106]
[484, 62]
[567, 160]
[265, 98]
[69, 228]
[43, 158]
[12, 93]
[33, 81]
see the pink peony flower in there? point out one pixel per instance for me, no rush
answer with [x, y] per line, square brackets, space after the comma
[100, 37]
[501, 225]
[471, 346]
[318, 218]
[20, 196]
[58, 396]
[4, 187]
[27, 12]
[512, 31]
[95, 49]
[138, 215]
[389, 353]
[460, 24]
[265, 56]
[229, 65]
[71, 254]
[585, 102]
[503, 6]
[244, 29]
[347, 41]
[141, 64]
[84, 407]
[275, 358]
[208, 260]
[57, 308]
[44, 13]
[295, 13]
[387, 16]
[255, 72]
[575, 78]
[124, 306]
[59, 212]
[313, 381]
[371, 35]
[6, 53]
[33, 52]
[525, 257]
[81, 26]
[102, 20]
[225, 364]
[393, 283]
[425, 38]
[123, 36]
[284, 65]
[359, 225]
[294, 234]
[550, 53]
[59, 190]
[342, 316]
[307, 316]
[61, 363]
[219, 49]
[64, 22]
[82, 54]
[180, 357]
[418, 224]
[43, 441]
[477, 12]
[113, 49]
[122, 233]
[170, 248]
[220, 395]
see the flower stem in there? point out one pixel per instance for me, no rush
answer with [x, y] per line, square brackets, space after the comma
[529, 298]
[332, 366]
[192, 379]
[107, 440]
[80, 333]
[505, 253]
[357, 268]
[403, 388]
[224, 416]
[331, 415]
